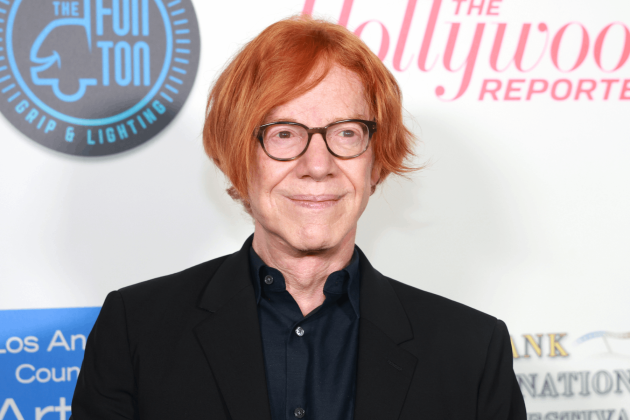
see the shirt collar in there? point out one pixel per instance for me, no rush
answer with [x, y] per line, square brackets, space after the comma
[339, 283]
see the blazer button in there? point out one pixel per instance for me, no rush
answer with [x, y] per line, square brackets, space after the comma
[299, 412]
[268, 279]
[300, 332]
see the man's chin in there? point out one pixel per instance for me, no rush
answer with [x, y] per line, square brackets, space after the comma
[314, 240]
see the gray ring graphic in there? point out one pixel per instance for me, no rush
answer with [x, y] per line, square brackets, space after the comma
[96, 77]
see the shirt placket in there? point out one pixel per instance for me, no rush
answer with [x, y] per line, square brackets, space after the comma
[302, 344]
[298, 358]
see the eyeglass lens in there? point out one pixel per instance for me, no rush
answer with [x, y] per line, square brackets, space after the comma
[286, 141]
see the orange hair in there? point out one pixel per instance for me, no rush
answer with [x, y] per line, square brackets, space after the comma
[278, 66]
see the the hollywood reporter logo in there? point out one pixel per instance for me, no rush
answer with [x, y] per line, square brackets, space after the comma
[95, 77]
[545, 58]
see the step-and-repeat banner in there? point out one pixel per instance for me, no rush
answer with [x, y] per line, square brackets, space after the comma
[521, 112]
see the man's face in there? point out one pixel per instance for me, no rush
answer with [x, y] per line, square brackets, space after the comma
[314, 202]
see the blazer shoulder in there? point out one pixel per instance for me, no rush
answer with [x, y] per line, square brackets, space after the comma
[448, 325]
[169, 290]
[444, 313]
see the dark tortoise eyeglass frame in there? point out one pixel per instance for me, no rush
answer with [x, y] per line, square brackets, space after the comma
[260, 132]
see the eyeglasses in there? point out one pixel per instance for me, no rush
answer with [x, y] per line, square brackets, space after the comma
[345, 139]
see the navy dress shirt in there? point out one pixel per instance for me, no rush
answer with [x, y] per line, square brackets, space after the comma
[310, 361]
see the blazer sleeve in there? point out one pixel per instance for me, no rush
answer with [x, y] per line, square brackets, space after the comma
[106, 387]
[499, 396]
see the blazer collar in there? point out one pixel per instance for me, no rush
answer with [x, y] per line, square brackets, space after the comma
[230, 338]
[380, 304]
[229, 280]
[384, 369]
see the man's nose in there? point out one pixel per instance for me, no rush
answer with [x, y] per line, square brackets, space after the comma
[317, 162]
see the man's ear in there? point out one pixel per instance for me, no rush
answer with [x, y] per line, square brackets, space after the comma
[375, 177]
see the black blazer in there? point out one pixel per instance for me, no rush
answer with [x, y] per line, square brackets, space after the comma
[188, 346]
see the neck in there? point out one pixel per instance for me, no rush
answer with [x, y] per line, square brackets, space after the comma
[305, 272]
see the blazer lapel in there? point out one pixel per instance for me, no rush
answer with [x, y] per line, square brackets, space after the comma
[384, 370]
[231, 339]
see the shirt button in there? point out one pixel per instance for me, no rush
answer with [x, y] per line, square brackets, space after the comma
[300, 332]
[299, 412]
[268, 279]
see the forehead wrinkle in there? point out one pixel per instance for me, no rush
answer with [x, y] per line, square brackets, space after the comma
[355, 116]
[351, 108]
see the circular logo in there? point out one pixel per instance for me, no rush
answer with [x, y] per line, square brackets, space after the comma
[95, 77]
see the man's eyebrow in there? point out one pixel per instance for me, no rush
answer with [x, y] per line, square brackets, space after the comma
[274, 120]
[352, 117]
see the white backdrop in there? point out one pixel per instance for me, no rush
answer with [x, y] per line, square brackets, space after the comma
[522, 211]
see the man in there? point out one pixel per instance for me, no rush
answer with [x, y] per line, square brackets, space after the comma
[304, 122]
